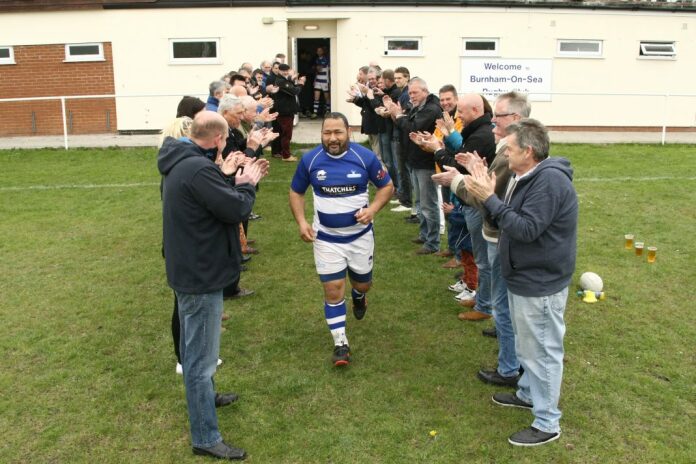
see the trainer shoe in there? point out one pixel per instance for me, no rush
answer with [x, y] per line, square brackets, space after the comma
[465, 294]
[400, 209]
[341, 355]
[359, 307]
[221, 451]
[510, 400]
[458, 287]
[532, 437]
[494, 378]
[394, 202]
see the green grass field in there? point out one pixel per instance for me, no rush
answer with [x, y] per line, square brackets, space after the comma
[87, 366]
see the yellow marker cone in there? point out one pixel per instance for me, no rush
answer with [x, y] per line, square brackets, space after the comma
[589, 297]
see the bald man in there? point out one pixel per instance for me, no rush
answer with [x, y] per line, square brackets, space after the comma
[201, 213]
[477, 137]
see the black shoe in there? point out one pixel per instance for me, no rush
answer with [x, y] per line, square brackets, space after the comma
[490, 332]
[494, 378]
[359, 307]
[510, 400]
[222, 451]
[412, 219]
[341, 355]
[532, 437]
[243, 268]
[253, 216]
[223, 399]
[418, 241]
[246, 258]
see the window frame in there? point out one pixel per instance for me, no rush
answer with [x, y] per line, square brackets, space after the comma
[10, 59]
[388, 53]
[580, 54]
[495, 52]
[69, 58]
[202, 60]
[646, 55]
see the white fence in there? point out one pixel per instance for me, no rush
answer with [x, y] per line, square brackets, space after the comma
[150, 112]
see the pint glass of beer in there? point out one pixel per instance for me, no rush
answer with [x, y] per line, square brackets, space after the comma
[639, 248]
[629, 241]
[652, 254]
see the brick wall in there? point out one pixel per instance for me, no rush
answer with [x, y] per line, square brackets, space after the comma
[40, 71]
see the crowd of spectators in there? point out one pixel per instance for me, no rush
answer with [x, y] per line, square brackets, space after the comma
[421, 138]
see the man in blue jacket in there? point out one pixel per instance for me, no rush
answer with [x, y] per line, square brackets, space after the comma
[201, 212]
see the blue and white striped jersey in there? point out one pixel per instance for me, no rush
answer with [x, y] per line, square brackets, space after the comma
[322, 70]
[339, 184]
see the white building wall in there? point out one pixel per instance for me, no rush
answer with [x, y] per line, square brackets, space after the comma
[141, 53]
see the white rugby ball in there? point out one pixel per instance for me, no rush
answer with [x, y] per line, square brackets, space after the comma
[591, 281]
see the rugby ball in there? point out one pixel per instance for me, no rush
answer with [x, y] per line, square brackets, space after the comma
[591, 281]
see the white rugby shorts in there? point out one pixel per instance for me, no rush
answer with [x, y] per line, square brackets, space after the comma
[332, 259]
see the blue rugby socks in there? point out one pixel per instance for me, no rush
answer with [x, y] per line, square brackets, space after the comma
[336, 319]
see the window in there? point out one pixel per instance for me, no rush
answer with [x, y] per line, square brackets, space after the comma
[84, 52]
[480, 47]
[658, 49]
[194, 51]
[579, 48]
[403, 46]
[7, 55]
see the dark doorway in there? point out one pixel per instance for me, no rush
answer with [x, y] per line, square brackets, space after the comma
[307, 65]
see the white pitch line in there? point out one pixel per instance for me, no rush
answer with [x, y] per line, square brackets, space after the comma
[275, 181]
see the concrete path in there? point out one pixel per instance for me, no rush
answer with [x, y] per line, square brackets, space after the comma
[309, 132]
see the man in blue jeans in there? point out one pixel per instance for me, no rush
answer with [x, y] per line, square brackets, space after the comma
[421, 117]
[537, 217]
[509, 108]
[202, 208]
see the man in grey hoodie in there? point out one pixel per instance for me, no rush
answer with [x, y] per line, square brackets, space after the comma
[537, 218]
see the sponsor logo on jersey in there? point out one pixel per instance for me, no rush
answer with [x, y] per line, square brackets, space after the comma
[353, 175]
[381, 174]
[338, 190]
[321, 175]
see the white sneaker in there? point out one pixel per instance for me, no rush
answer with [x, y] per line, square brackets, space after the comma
[401, 209]
[180, 368]
[394, 202]
[457, 287]
[466, 294]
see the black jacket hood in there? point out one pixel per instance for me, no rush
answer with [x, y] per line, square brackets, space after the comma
[173, 151]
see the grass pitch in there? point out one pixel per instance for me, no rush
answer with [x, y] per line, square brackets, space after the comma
[87, 366]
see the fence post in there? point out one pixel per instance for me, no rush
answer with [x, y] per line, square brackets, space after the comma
[65, 123]
[664, 120]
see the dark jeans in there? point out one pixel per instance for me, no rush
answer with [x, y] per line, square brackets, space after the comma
[404, 174]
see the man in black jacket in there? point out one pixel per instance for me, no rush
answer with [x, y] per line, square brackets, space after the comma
[366, 98]
[421, 118]
[285, 104]
[201, 212]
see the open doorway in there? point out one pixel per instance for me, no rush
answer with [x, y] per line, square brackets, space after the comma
[313, 61]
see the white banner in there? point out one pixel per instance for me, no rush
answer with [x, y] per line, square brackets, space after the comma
[493, 76]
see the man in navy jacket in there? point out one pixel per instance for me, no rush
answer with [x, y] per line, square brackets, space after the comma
[201, 212]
